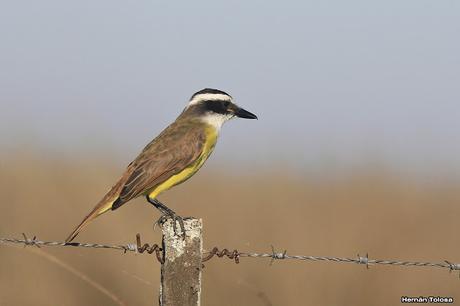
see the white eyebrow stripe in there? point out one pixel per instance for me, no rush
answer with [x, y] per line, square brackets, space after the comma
[209, 96]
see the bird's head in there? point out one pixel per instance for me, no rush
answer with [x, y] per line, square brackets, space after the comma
[215, 107]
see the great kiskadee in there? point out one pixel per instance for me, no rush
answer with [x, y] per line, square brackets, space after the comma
[173, 156]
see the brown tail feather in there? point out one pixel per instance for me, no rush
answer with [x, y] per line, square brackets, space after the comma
[105, 204]
[102, 207]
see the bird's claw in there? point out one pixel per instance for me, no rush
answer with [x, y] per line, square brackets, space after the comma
[175, 219]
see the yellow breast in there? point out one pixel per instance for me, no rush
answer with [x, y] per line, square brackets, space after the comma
[211, 138]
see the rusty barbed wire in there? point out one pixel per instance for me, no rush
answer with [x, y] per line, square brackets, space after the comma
[141, 248]
[137, 248]
[235, 255]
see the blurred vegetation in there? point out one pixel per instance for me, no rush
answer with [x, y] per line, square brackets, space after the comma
[368, 210]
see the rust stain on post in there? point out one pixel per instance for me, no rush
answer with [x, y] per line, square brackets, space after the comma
[181, 270]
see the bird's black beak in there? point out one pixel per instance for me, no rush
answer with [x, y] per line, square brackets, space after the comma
[242, 113]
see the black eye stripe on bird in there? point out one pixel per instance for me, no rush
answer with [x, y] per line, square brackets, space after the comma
[217, 106]
[175, 155]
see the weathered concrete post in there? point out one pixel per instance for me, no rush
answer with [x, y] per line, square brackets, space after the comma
[181, 270]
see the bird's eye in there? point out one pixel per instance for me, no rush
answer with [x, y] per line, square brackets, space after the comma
[226, 104]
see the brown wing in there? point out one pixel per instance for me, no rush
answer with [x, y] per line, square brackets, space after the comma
[173, 150]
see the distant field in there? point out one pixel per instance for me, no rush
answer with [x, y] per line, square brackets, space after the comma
[368, 211]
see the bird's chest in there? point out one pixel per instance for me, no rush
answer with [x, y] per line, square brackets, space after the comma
[211, 135]
[210, 142]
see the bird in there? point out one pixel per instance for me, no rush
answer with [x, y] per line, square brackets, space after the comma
[174, 156]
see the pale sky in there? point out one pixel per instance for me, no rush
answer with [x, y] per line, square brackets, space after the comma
[333, 82]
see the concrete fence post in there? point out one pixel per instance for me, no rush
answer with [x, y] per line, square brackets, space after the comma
[181, 270]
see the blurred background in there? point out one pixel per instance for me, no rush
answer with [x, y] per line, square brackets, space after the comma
[356, 150]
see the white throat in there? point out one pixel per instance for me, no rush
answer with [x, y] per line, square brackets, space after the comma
[216, 120]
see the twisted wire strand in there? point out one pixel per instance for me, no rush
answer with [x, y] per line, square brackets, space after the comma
[38, 243]
[234, 255]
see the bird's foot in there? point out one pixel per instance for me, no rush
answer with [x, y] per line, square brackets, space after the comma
[175, 219]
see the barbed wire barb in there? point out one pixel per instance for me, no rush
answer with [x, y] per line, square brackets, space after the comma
[364, 260]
